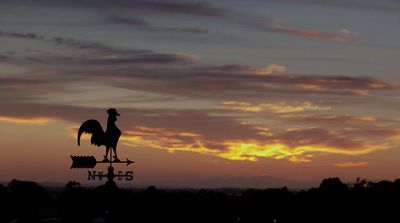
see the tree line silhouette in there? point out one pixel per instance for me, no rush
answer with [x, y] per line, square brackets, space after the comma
[332, 201]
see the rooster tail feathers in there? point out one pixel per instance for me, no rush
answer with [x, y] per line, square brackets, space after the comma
[92, 127]
[80, 131]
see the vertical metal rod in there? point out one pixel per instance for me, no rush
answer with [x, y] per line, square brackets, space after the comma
[111, 157]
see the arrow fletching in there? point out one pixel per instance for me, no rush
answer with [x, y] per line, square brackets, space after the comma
[83, 162]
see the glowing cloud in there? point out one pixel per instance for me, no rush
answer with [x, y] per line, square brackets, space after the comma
[271, 69]
[28, 120]
[254, 150]
[280, 107]
[351, 164]
[273, 146]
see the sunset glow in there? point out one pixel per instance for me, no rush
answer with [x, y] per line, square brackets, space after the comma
[29, 121]
[298, 90]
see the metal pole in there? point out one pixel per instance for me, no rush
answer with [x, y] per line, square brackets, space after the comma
[111, 156]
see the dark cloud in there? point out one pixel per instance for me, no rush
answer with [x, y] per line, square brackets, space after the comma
[356, 126]
[317, 136]
[240, 81]
[229, 83]
[98, 53]
[142, 24]
[69, 42]
[94, 59]
[161, 6]
[20, 81]
[31, 36]
[372, 5]
[4, 58]
[341, 60]
[128, 21]
[140, 72]
[82, 44]
[195, 8]
[275, 26]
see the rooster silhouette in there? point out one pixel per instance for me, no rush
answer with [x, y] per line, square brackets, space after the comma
[108, 138]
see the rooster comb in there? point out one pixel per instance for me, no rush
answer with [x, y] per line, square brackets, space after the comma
[112, 111]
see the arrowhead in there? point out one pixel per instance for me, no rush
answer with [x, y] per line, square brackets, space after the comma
[128, 162]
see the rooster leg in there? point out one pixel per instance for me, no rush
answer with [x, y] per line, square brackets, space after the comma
[115, 154]
[106, 156]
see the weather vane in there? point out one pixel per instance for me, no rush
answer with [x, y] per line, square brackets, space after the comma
[109, 139]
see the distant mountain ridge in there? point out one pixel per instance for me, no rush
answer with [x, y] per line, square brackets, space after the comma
[239, 182]
[256, 182]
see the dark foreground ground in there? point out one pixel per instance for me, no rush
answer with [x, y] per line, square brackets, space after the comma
[333, 201]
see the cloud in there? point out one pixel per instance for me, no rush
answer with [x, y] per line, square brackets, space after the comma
[253, 151]
[351, 164]
[370, 5]
[27, 120]
[321, 59]
[30, 36]
[280, 107]
[242, 81]
[155, 6]
[117, 19]
[62, 41]
[115, 59]
[285, 132]
[296, 146]
[332, 119]
[145, 25]
[96, 53]
[194, 8]
[4, 58]
[95, 59]
[216, 133]
[241, 68]
[272, 69]
[236, 84]
[345, 31]
[28, 85]
[83, 44]
[277, 27]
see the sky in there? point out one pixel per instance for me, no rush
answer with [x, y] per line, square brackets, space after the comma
[294, 89]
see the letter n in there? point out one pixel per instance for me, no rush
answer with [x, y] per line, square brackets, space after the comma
[91, 175]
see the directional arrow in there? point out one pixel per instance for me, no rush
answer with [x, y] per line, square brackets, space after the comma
[128, 162]
[89, 162]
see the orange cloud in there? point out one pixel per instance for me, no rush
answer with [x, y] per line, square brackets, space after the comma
[280, 107]
[351, 164]
[28, 120]
[273, 146]
[271, 69]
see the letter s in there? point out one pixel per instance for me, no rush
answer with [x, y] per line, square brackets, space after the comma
[129, 175]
